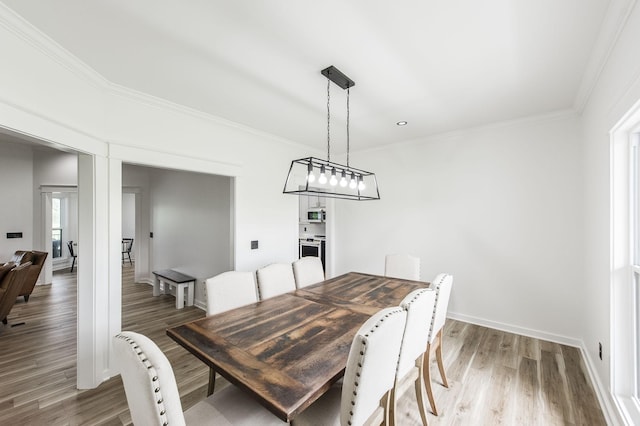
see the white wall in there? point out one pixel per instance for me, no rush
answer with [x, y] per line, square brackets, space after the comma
[128, 215]
[191, 224]
[498, 207]
[55, 168]
[16, 215]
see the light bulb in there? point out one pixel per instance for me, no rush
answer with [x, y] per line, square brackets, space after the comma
[323, 177]
[334, 180]
[361, 185]
[353, 184]
[310, 176]
[343, 179]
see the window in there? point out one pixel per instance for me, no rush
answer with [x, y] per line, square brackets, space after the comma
[634, 204]
[625, 265]
[56, 229]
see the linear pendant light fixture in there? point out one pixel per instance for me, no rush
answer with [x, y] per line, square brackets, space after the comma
[324, 178]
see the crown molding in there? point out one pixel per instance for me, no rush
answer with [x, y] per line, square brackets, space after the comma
[164, 104]
[612, 25]
[24, 30]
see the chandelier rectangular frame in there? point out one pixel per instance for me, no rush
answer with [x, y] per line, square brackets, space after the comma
[298, 182]
[354, 184]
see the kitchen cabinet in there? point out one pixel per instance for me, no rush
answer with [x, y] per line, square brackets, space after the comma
[304, 206]
[307, 202]
[316, 201]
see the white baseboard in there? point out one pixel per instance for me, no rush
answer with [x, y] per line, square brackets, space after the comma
[610, 409]
[145, 281]
[523, 331]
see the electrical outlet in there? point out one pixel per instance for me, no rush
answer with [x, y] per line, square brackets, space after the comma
[254, 244]
[600, 350]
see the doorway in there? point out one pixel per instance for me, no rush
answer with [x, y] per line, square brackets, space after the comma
[180, 220]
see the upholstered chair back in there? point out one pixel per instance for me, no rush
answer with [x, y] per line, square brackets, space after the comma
[371, 366]
[442, 285]
[402, 266]
[21, 256]
[230, 290]
[419, 305]
[149, 383]
[10, 286]
[308, 270]
[37, 262]
[275, 279]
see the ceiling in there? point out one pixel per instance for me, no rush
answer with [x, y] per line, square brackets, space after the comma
[440, 65]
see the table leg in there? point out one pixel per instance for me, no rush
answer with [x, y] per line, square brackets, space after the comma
[190, 293]
[156, 286]
[180, 296]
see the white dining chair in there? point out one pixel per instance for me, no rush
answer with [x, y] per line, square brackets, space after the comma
[368, 378]
[419, 305]
[275, 279]
[230, 290]
[308, 270]
[402, 266]
[442, 285]
[153, 398]
[226, 291]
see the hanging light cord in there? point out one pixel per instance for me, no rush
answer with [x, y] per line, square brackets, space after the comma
[328, 123]
[347, 127]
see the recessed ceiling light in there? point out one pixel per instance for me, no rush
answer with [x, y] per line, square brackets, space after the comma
[401, 123]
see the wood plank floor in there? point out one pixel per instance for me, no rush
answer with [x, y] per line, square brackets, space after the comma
[495, 377]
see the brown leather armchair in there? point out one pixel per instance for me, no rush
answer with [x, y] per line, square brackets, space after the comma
[11, 280]
[37, 259]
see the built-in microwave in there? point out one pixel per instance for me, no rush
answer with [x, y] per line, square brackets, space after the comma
[317, 215]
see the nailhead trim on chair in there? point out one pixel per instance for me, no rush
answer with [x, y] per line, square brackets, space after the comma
[153, 375]
[436, 287]
[363, 352]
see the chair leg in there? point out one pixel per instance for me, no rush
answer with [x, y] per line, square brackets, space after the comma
[73, 263]
[427, 379]
[129, 254]
[212, 382]
[439, 358]
[26, 298]
[386, 402]
[419, 388]
[392, 405]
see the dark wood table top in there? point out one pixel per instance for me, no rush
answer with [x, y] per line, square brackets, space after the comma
[175, 276]
[287, 351]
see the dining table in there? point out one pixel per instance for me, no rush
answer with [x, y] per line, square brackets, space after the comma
[288, 350]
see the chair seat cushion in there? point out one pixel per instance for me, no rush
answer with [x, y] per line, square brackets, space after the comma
[4, 269]
[230, 406]
[325, 411]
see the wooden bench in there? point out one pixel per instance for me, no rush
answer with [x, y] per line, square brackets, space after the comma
[180, 281]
